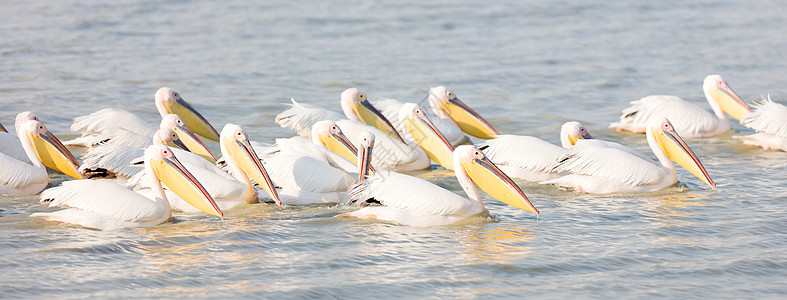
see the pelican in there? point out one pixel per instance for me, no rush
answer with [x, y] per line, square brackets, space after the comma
[449, 108]
[391, 108]
[107, 206]
[12, 146]
[397, 155]
[128, 137]
[43, 149]
[602, 170]
[167, 101]
[408, 200]
[530, 158]
[769, 119]
[690, 120]
[312, 171]
[229, 190]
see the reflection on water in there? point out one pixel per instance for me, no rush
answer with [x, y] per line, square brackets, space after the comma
[503, 244]
[674, 209]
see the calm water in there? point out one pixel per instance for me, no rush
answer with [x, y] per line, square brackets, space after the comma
[528, 67]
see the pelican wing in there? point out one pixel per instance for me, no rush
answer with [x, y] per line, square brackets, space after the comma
[768, 117]
[295, 164]
[104, 198]
[112, 159]
[10, 145]
[300, 117]
[111, 117]
[409, 193]
[608, 144]
[388, 151]
[15, 174]
[611, 163]
[688, 119]
[113, 135]
[390, 109]
[525, 152]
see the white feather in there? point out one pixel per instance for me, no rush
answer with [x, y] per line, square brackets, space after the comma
[525, 152]
[115, 159]
[11, 146]
[97, 121]
[113, 135]
[102, 198]
[689, 120]
[768, 117]
[399, 191]
[390, 109]
[300, 117]
[19, 177]
[610, 163]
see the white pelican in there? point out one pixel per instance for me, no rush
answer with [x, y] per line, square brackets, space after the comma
[230, 190]
[603, 170]
[689, 119]
[167, 102]
[12, 146]
[127, 137]
[448, 107]
[43, 149]
[316, 171]
[409, 200]
[121, 161]
[391, 108]
[106, 205]
[530, 158]
[770, 121]
[394, 154]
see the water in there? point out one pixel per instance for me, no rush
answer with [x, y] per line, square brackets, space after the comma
[528, 67]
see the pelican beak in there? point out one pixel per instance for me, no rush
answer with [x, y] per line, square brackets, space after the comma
[54, 154]
[730, 102]
[369, 115]
[3, 128]
[365, 165]
[171, 172]
[193, 119]
[193, 143]
[677, 150]
[497, 184]
[339, 144]
[467, 119]
[179, 144]
[248, 161]
[431, 140]
[574, 139]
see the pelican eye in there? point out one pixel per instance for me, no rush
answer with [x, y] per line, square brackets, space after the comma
[175, 95]
[362, 97]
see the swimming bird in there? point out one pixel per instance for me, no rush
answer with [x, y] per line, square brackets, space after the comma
[689, 119]
[43, 150]
[531, 158]
[106, 205]
[230, 190]
[448, 107]
[602, 170]
[769, 119]
[409, 200]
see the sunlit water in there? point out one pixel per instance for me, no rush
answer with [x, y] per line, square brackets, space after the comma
[528, 66]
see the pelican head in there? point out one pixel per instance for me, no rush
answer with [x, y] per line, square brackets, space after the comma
[49, 149]
[357, 107]
[464, 116]
[722, 98]
[365, 154]
[235, 141]
[24, 117]
[571, 132]
[174, 175]
[166, 136]
[329, 135]
[673, 146]
[169, 101]
[470, 161]
[426, 135]
[187, 137]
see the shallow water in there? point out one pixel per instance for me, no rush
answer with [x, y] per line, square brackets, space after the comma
[528, 67]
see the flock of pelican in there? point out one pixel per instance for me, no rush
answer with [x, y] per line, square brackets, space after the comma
[135, 174]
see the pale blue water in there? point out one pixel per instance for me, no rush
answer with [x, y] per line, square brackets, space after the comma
[528, 66]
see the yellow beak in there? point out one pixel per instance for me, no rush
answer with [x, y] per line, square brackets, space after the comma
[179, 180]
[369, 115]
[677, 150]
[468, 120]
[339, 144]
[193, 143]
[497, 184]
[730, 102]
[192, 118]
[574, 139]
[54, 154]
[431, 140]
[248, 161]
[177, 143]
